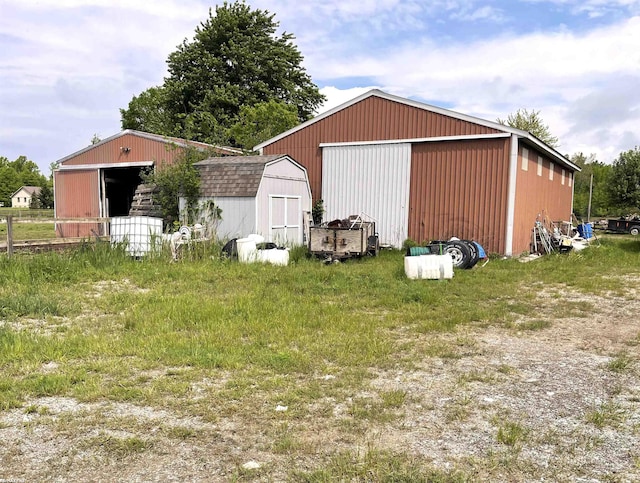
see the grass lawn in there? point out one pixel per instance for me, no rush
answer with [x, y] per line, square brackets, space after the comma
[33, 230]
[285, 354]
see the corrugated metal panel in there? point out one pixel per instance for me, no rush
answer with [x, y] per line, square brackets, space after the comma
[126, 149]
[372, 119]
[372, 179]
[538, 195]
[77, 195]
[460, 189]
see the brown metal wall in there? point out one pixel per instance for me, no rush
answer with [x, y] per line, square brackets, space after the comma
[538, 195]
[141, 149]
[371, 119]
[76, 196]
[460, 188]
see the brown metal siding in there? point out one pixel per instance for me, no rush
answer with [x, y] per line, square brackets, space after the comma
[460, 188]
[140, 149]
[539, 196]
[76, 196]
[372, 119]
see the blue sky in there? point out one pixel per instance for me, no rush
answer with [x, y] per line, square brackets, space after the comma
[68, 66]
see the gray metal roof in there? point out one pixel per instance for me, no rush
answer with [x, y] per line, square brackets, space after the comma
[233, 175]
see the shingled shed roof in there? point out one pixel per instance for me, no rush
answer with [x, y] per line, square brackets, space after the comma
[233, 175]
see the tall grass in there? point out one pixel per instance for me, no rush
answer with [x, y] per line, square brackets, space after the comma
[105, 318]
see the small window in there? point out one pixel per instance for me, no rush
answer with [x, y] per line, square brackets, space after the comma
[525, 159]
[563, 175]
[570, 179]
[539, 165]
[551, 167]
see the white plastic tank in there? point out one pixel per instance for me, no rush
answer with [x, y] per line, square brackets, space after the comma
[247, 251]
[430, 267]
[274, 256]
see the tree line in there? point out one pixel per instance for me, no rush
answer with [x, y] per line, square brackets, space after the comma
[615, 188]
[23, 172]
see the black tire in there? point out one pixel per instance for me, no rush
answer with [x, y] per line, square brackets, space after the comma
[634, 230]
[459, 252]
[475, 254]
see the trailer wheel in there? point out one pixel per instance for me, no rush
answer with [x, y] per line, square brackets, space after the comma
[475, 254]
[634, 230]
[460, 253]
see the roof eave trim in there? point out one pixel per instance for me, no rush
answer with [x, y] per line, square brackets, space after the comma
[84, 167]
[469, 137]
[551, 152]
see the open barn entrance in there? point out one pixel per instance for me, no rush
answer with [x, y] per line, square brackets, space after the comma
[119, 186]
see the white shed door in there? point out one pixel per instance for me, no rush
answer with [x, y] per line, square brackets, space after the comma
[285, 215]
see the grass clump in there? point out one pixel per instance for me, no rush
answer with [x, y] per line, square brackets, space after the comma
[377, 465]
[622, 362]
[511, 433]
[607, 414]
[118, 447]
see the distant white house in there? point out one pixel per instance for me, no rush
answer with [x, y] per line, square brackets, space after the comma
[22, 197]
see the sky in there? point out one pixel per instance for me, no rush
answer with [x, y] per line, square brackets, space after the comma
[68, 66]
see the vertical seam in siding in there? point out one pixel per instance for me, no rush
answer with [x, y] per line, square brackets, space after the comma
[513, 171]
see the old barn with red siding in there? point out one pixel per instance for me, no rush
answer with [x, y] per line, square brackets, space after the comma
[100, 180]
[423, 172]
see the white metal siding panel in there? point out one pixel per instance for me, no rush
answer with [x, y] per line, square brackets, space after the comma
[369, 179]
[238, 216]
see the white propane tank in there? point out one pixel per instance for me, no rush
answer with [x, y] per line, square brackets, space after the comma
[428, 267]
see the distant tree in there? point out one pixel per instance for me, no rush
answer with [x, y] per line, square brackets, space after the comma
[261, 122]
[624, 181]
[95, 139]
[235, 60]
[52, 167]
[530, 121]
[589, 166]
[44, 199]
[9, 183]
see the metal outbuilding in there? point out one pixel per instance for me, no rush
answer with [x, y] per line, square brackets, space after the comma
[266, 195]
[100, 180]
[425, 173]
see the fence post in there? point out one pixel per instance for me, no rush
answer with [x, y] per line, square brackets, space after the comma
[9, 235]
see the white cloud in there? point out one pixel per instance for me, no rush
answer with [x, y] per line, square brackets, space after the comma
[336, 96]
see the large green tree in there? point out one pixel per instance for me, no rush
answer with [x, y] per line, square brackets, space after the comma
[261, 122]
[147, 112]
[236, 59]
[531, 121]
[624, 181]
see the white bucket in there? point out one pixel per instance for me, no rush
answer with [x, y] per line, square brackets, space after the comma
[247, 252]
[430, 267]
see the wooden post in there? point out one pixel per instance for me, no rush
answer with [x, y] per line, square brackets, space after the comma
[9, 235]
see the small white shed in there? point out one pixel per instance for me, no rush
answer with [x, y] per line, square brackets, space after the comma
[267, 195]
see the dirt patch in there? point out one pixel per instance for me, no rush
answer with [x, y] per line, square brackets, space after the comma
[551, 397]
